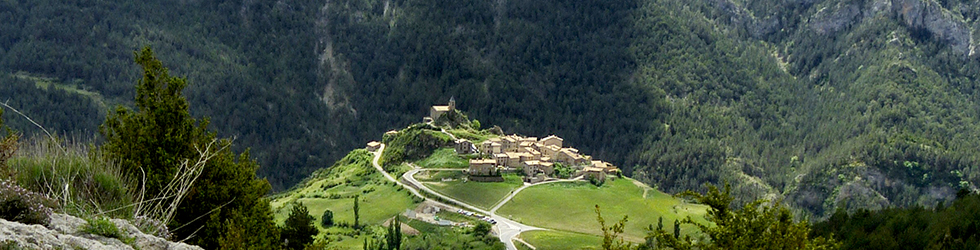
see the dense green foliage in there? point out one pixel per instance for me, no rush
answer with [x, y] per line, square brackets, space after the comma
[251, 63]
[299, 230]
[326, 220]
[413, 143]
[824, 103]
[60, 108]
[159, 139]
[754, 226]
[152, 142]
[946, 227]
[437, 237]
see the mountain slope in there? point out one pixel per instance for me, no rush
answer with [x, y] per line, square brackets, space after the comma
[855, 106]
[819, 102]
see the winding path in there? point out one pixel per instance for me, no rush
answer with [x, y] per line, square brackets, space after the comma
[506, 229]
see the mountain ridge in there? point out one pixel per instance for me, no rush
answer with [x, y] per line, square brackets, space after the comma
[819, 102]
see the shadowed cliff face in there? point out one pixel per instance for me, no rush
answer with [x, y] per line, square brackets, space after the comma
[932, 20]
[927, 19]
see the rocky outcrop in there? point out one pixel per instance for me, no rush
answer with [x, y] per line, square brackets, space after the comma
[930, 17]
[740, 17]
[64, 232]
[831, 20]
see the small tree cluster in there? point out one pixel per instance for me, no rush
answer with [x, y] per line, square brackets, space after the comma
[298, 230]
[392, 239]
[326, 220]
[219, 202]
[754, 226]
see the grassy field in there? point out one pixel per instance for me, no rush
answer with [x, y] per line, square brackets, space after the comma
[571, 207]
[439, 175]
[553, 239]
[475, 137]
[335, 188]
[444, 158]
[480, 194]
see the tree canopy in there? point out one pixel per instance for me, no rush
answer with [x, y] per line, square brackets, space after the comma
[159, 139]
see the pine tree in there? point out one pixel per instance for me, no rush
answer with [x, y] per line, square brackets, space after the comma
[357, 211]
[394, 236]
[150, 143]
[299, 230]
[327, 219]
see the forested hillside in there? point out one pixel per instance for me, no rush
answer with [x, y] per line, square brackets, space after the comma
[822, 103]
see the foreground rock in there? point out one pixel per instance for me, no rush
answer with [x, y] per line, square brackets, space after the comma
[64, 232]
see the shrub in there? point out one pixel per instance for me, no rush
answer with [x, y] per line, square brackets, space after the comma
[21, 205]
[327, 219]
[10, 245]
[103, 227]
[298, 230]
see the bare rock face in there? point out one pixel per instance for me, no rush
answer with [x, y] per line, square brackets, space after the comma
[928, 16]
[64, 232]
[830, 21]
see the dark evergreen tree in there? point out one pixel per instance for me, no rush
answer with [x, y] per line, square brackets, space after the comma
[327, 219]
[299, 229]
[150, 144]
[357, 211]
[677, 229]
[394, 237]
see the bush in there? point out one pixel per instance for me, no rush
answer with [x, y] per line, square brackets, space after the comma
[10, 245]
[298, 230]
[597, 181]
[21, 205]
[103, 227]
[327, 219]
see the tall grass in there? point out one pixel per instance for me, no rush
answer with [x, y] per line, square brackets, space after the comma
[75, 176]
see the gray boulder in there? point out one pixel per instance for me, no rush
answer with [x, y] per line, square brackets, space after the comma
[64, 232]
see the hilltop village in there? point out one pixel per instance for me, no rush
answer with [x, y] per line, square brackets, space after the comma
[536, 158]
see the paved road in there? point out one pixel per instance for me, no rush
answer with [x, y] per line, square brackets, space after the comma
[506, 228]
[377, 157]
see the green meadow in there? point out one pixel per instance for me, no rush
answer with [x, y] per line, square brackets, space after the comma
[480, 194]
[571, 207]
[334, 188]
[444, 158]
[552, 239]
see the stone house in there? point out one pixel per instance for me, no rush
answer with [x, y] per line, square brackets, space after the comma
[593, 172]
[464, 146]
[491, 146]
[570, 156]
[502, 159]
[436, 111]
[510, 143]
[533, 167]
[549, 151]
[529, 140]
[552, 140]
[373, 146]
[483, 167]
